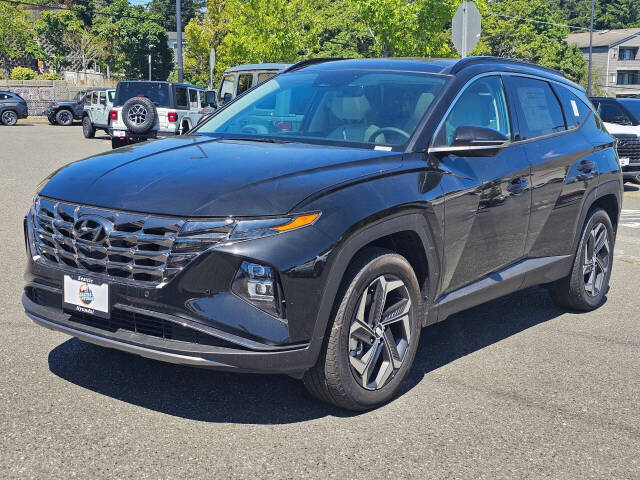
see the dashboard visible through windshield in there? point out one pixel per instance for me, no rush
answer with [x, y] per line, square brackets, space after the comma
[359, 107]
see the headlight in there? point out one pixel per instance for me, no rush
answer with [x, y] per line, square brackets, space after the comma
[196, 233]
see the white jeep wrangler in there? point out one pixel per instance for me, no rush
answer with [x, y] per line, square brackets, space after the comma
[150, 109]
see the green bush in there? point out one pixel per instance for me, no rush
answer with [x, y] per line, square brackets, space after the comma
[23, 73]
[50, 76]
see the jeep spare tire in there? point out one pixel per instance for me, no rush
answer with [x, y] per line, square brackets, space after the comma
[139, 114]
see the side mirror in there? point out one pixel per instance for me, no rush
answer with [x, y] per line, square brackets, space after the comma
[470, 140]
[210, 98]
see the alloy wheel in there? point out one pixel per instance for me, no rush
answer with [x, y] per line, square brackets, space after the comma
[380, 332]
[137, 114]
[596, 259]
[65, 117]
[9, 117]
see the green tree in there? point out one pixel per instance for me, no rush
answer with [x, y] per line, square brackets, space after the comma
[51, 28]
[17, 36]
[129, 33]
[408, 28]
[341, 31]
[166, 11]
[608, 14]
[269, 30]
[539, 43]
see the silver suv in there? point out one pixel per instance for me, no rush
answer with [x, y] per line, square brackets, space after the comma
[144, 110]
[239, 79]
[95, 115]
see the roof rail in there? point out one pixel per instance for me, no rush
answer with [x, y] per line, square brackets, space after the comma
[469, 61]
[308, 62]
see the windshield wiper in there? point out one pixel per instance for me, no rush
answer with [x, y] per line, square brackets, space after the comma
[255, 139]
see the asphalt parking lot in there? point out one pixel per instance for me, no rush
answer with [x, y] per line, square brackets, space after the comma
[516, 388]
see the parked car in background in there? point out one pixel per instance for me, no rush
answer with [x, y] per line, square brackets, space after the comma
[621, 116]
[241, 78]
[397, 192]
[144, 110]
[12, 107]
[97, 105]
[64, 112]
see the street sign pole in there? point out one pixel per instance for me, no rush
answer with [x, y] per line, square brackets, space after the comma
[212, 64]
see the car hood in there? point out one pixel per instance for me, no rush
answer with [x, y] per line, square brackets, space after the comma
[63, 102]
[201, 176]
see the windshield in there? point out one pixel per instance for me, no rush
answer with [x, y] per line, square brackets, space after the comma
[365, 107]
[158, 93]
[79, 96]
[633, 105]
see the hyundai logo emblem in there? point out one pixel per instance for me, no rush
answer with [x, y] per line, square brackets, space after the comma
[92, 229]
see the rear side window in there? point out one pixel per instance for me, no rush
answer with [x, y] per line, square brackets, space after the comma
[181, 97]
[538, 109]
[244, 82]
[265, 76]
[111, 95]
[575, 111]
[193, 98]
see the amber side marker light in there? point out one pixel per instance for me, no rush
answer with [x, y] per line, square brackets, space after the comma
[301, 221]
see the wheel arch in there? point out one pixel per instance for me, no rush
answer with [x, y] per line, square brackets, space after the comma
[607, 196]
[409, 235]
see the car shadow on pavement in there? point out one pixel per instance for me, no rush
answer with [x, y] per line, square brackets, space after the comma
[210, 396]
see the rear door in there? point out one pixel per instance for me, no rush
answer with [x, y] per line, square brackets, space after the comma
[562, 165]
[100, 109]
[487, 209]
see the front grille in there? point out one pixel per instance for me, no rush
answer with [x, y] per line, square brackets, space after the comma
[130, 321]
[120, 245]
[629, 146]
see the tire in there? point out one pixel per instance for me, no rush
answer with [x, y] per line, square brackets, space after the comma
[88, 129]
[9, 118]
[139, 114]
[342, 375]
[64, 117]
[52, 119]
[587, 284]
[117, 143]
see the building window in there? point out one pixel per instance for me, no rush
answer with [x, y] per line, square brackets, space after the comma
[627, 53]
[629, 77]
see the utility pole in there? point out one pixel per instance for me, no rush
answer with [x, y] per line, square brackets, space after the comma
[179, 32]
[590, 50]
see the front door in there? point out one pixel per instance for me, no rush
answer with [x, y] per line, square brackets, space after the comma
[487, 211]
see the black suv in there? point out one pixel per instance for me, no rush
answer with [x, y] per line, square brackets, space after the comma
[313, 225]
[64, 112]
[12, 107]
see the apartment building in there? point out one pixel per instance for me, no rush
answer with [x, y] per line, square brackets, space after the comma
[616, 59]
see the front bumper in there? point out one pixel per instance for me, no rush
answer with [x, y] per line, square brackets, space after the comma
[224, 356]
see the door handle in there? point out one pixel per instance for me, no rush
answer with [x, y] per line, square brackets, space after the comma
[518, 185]
[586, 166]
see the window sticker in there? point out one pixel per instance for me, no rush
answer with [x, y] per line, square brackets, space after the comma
[574, 106]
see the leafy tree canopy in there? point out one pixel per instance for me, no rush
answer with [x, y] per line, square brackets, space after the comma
[166, 11]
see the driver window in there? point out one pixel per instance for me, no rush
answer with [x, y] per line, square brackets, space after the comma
[482, 104]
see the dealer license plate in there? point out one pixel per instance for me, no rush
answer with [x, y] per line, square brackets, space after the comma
[119, 133]
[83, 294]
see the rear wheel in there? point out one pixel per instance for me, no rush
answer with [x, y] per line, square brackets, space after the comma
[87, 128]
[9, 118]
[585, 287]
[373, 336]
[64, 118]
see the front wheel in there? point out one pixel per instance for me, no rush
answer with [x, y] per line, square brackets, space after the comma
[87, 128]
[9, 118]
[373, 336]
[585, 287]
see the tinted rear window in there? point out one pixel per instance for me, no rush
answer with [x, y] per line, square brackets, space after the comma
[575, 111]
[158, 93]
